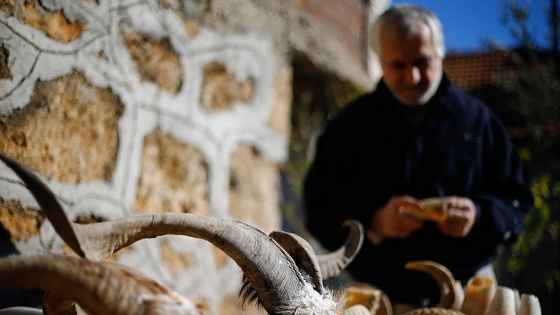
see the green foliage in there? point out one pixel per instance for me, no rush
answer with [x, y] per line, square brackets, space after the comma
[518, 14]
[542, 222]
[533, 90]
[552, 280]
[535, 94]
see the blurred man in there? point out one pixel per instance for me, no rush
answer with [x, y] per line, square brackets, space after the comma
[416, 137]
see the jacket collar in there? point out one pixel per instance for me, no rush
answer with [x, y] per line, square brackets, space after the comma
[437, 108]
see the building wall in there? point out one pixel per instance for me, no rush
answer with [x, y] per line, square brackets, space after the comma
[130, 107]
[346, 20]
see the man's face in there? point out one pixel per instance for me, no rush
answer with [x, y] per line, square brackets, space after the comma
[411, 68]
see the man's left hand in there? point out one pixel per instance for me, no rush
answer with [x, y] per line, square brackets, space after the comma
[461, 215]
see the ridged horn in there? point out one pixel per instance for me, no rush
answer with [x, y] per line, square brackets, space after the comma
[443, 277]
[303, 255]
[55, 303]
[99, 287]
[274, 277]
[333, 263]
[269, 268]
[321, 266]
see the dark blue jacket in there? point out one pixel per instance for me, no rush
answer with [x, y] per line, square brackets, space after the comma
[370, 152]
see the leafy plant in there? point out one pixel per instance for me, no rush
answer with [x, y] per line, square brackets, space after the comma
[533, 90]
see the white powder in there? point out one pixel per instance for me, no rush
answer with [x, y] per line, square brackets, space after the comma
[314, 303]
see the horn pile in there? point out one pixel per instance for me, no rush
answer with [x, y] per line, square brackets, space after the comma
[281, 271]
[481, 296]
[276, 267]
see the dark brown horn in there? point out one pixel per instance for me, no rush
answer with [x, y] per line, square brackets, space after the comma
[48, 203]
[99, 287]
[55, 303]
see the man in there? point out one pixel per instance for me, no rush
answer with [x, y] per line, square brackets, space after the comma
[416, 137]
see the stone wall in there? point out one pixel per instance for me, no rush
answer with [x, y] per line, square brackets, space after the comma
[143, 106]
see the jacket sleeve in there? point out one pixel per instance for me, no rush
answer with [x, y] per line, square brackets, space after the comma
[505, 196]
[322, 214]
[335, 188]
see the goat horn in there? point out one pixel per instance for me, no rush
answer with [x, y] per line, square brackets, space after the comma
[55, 303]
[332, 264]
[100, 288]
[320, 267]
[444, 278]
[21, 310]
[268, 267]
[272, 273]
[303, 255]
[48, 203]
[357, 310]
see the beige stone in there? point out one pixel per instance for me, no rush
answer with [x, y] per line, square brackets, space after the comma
[220, 89]
[68, 131]
[4, 69]
[154, 59]
[174, 177]
[232, 305]
[220, 258]
[22, 224]
[254, 185]
[54, 24]
[176, 262]
[191, 27]
[8, 7]
[279, 118]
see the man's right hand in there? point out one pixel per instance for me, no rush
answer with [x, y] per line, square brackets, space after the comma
[393, 220]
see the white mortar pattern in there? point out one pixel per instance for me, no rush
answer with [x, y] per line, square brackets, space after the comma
[34, 56]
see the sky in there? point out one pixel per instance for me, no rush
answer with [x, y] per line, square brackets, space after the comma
[466, 23]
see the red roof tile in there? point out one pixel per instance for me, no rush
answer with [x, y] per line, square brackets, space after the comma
[468, 71]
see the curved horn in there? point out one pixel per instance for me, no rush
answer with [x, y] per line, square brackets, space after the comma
[21, 310]
[368, 295]
[55, 303]
[357, 310]
[325, 266]
[269, 268]
[303, 255]
[274, 276]
[101, 288]
[48, 203]
[443, 277]
[332, 264]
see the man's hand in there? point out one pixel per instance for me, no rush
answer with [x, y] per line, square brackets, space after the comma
[392, 219]
[461, 214]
